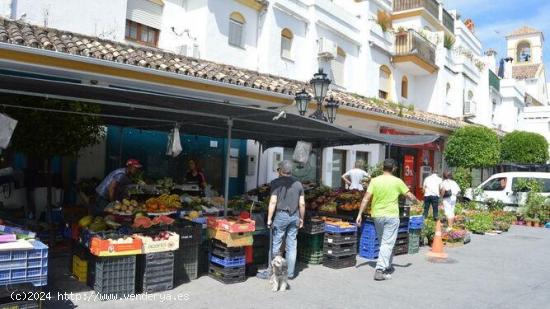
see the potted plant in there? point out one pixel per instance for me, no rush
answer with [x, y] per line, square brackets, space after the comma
[529, 221]
[428, 231]
[536, 222]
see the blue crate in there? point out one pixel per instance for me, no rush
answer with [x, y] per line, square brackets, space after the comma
[404, 229]
[228, 261]
[25, 266]
[416, 222]
[369, 255]
[336, 229]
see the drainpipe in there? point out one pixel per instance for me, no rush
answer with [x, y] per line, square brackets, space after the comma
[261, 13]
[13, 9]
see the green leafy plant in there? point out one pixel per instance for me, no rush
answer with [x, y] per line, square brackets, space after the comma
[527, 185]
[473, 147]
[448, 41]
[374, 170]
[493, 204]
[428, 230]
[524, 148]
[480, 222]
[463, 178]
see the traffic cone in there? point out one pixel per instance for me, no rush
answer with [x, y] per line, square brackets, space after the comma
[437, 245]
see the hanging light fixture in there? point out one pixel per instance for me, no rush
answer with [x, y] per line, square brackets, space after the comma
[331, 107]
[320, 84]
[302, 100]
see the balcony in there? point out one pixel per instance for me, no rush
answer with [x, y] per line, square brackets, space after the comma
[428, 9]
[494, 81]
[448, 21]
[429, 5]
[414, 54]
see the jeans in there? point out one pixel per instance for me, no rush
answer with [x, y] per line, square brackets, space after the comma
[289, 224]
[431, 201]
[386, 231]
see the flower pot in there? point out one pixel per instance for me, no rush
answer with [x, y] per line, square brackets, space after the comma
[529, 223]
[536, 224]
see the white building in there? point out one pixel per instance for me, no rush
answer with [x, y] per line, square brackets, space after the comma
[416, 54]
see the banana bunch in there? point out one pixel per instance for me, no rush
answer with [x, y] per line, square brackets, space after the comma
[172, 200]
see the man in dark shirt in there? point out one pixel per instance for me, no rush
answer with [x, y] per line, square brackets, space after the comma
[287, 203]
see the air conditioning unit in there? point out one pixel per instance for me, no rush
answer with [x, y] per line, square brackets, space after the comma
[327, 48]
[469, 108]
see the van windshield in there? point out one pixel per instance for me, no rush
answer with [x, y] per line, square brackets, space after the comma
[495, 184]
[525, 184]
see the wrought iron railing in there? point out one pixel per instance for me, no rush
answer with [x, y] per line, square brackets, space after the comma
[448, 21]
[431, 6]
[412, 43]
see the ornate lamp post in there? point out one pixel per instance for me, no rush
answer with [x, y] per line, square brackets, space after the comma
[331, 107]
[302, 100]
[320, 84]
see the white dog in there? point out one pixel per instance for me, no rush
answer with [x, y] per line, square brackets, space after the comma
[279, 277]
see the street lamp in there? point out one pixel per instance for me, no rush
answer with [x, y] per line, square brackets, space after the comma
[331, 108]
[320, 84]
[302, 100]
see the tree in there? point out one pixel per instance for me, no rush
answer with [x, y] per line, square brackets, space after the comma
[473, 147]
[43, 134]
[524, 148]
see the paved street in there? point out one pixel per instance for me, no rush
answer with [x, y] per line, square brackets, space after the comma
[511, 270]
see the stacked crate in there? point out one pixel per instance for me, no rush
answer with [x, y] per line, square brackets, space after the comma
[155, 272]
[186, 258]
[415, 227]
[402, 242]
[368, 241]
[260, 248]
[310, 241]
[340, 246]
[227, 259]
[25, 266]
[113, 276]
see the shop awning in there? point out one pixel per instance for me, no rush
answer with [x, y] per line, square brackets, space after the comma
[140, 108]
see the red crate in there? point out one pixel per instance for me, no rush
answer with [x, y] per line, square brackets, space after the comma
[232, 224]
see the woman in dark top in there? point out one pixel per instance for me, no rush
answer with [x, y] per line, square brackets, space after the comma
[195, 175]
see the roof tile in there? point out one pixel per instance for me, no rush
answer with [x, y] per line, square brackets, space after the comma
[524, 71]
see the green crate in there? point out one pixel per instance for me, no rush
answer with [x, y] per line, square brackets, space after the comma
[311, 241]
[311, 257]
[414, 241]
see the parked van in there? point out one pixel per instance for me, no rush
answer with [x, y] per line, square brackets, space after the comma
[504, 187]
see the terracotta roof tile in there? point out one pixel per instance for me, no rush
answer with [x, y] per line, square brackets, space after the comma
[15, 32]
[525, 71]
[524, 30]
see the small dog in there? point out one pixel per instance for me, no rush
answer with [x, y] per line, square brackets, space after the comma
[279, 277]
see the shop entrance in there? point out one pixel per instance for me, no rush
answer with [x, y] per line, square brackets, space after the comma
[338, 167]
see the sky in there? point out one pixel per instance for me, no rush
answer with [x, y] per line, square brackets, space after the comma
[494, 19]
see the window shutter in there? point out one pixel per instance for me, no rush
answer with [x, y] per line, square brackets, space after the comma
[235, 33]
[145, 12]
[285, 47]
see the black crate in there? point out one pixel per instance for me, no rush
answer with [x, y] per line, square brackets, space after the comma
[155, 272]
[114, 276]
[313, 226]
[8, 303]
[402, 241]
[203, 259]
[220, 249]
[337, 262]
[404, 212]
[342, 238]
[401, 249]
[260, 241]
[227, 271]
[340, 250]
[190, 232]
[186, 264]
[226, 279]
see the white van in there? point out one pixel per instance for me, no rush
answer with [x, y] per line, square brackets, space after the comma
[501, 187]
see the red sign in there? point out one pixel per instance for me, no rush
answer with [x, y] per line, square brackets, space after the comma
[408, 170]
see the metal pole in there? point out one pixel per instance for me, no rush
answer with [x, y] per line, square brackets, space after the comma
[227, 159]
[260, 149]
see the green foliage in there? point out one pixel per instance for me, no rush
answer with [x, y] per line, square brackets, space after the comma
[428, 230]
[473, 147]
[43, 134]
[480, 222]
[374, 170]
[536, 207]
[459, 209]
[448, 41]
[493, 204]
[463, 177]
[524, 147]
[527, 185]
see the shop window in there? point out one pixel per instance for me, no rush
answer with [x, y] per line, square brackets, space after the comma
[404, 87]
[286, 44]
[236, 29]
[338, 66]
[363, 156]
[523, 52]
[141, 33]
[384, 82]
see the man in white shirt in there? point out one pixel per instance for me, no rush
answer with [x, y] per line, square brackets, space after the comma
[355, 176]
[432, 192]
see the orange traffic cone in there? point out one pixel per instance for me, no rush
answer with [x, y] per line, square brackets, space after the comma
[437, 245]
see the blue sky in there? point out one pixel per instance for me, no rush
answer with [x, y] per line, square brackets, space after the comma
[494, 19]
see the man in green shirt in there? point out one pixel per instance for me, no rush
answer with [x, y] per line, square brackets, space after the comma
[384, 191]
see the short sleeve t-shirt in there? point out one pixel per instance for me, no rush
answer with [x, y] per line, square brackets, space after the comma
[288, 191]
[118, 175]
[385, 190]
[356, 175]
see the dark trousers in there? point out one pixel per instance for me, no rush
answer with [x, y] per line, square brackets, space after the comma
[431, 201]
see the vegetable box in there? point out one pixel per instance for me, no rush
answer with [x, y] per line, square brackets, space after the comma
[169, 241]
[115, 247]
[232, 239]
[232, 224]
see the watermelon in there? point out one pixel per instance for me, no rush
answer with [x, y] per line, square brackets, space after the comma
[143, 222]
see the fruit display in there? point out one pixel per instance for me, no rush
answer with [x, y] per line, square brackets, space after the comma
[163, 204]
[320, 196]
[98, 224]
[193, 202]
[350, 200]
[126, 207]
[328, 208]
[336, 222]
[144, 222]
[165, 185]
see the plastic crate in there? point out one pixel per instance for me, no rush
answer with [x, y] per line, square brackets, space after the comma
[414, 241]
[402, 239]
[368, 254]
[231, 224]
[232, 239]
[416, 222]
[28, 304]
[22, 266]
[100, 245]
[155, 272]
[190, 233]
[227, 261]
[404, 212]
[80, 269]
[340, 250]
[313, 226]
[311, 241]
[311, 257]
[221, 249]
[114, 275]
[186, 263]
[340, 238]
[226, 279]
[228, 271]
[401, 249]
[151, 246]
[338, 262]
[331, 228]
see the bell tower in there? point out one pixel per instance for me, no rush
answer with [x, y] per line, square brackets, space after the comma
[525, 45]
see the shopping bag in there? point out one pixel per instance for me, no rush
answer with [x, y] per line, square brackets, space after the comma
[7, 126]
[174, 143]
[301, 152]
